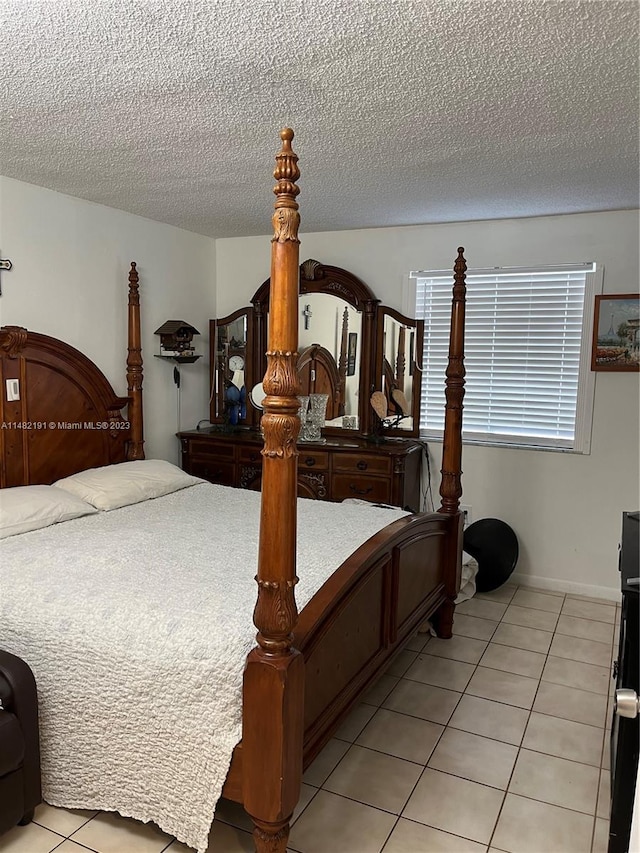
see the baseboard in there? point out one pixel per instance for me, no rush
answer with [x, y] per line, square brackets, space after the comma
[571, 587]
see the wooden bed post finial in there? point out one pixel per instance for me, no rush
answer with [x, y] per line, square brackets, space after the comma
[273, 692]
[135, 449]
[286, 218]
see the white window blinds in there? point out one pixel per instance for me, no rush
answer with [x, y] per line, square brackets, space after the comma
[526, 354]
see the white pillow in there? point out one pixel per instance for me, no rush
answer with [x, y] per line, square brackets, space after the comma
[25, 508]
[127, 483]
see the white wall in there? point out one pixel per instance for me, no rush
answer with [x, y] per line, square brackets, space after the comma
[71, 260]
[69, 279]
[565, 508]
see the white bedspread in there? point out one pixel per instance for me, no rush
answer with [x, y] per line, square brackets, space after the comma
[136, 624]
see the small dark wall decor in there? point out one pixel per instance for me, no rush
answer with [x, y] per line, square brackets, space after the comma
[352, 350]
[616, 333]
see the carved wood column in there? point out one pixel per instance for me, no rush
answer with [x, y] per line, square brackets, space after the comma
[451, 482]
[401, 358]
[343, 363]
[368, 371]
[273, 692]
[135, 449]
[451, 485]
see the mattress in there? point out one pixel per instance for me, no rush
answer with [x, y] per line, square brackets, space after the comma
[137, 623]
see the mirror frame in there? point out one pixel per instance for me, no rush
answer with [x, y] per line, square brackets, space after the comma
[216, 377]
[415, 364]
[334, 281]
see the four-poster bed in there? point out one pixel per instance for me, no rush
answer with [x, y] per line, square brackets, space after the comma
[308, 669]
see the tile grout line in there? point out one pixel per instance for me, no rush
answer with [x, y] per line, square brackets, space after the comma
[446, 726]
[69, 838]
[524, 732]
[424, 766]
[520, 747]
[604, 742]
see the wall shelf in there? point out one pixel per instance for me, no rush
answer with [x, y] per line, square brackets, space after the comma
[179, 359]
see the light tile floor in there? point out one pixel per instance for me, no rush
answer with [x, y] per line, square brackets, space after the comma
[467, 745]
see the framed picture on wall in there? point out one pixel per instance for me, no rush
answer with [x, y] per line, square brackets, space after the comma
[616, 336]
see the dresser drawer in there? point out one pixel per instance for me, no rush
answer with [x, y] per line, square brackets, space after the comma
[309, 460]
[210, 449]
[250, 455]
[374, 489]
[213, 470]
[362, 463]
[387, 474]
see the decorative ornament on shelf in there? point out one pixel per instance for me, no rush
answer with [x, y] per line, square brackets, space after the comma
[176, 338]
[379, 404]
[400, 403]
[390, 412]
[257, 396]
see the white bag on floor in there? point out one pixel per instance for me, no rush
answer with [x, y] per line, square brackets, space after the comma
[468, 582]
[467, 589]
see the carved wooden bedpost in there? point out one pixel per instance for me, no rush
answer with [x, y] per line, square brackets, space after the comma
[343, 362]
[135, 449]
[451, 485]
[401, 360]
[274, 673]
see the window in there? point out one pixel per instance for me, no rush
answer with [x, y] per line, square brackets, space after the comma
[527, 355]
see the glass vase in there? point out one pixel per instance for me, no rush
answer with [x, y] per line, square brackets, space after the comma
[303, 414]
[316, 412]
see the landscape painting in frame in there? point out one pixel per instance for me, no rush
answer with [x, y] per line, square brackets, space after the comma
[616, 337]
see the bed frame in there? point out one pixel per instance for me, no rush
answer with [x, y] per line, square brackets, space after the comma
[307, 671]
[68, 417]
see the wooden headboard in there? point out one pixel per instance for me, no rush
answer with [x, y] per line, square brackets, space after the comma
[68, 417]
[318, 374]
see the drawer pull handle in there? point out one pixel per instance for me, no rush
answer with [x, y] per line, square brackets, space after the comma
[253, 457]
[358, 491]
[362, 466]
[310, 461]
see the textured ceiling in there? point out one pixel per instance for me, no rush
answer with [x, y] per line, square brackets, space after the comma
[405, 111]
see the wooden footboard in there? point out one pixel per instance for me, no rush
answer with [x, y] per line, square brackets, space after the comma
[363, 615]
[366, 611]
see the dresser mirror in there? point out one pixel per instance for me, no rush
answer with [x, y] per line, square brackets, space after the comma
[399, 368]
[336, 333]
[330, 335]
[349, 347]
[231, 368]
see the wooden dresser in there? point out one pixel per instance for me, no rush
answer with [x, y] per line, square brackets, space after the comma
[341, 468]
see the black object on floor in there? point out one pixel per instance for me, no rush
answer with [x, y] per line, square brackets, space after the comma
[494, 545]
[20, 789]
[625, 728]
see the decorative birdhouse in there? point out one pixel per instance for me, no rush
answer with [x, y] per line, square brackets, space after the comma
[176, 340]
